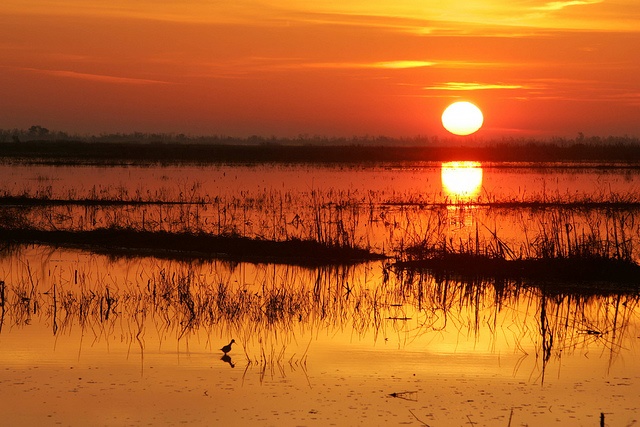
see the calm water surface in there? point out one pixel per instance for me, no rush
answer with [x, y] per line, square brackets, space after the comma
[424, 179]
[87, 339]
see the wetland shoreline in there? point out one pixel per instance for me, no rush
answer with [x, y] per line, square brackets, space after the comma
[118, 153]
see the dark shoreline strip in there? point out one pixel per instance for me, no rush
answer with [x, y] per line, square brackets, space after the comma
[43, 201]
[17, 201]
[116, 153]
[128, 242]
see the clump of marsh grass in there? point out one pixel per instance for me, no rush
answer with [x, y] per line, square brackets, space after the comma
[378, 220]
[330, 219]
[560, 245]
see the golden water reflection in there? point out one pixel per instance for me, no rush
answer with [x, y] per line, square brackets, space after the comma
[310, 332]
[461, 180]
[268, 308]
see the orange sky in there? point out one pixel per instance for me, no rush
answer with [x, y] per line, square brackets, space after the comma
[289, 67]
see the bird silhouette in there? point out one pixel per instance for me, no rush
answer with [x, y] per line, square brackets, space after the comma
[227, 348]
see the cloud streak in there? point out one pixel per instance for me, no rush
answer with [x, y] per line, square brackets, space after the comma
[559, 5]
[388, 65]
[461, 86]
[397, 65]
[101, 78]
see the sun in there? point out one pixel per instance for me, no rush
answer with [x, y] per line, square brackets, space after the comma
[462, 118]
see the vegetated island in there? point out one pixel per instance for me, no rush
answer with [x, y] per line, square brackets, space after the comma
[575, 272]
[192, 246]
[558, 258]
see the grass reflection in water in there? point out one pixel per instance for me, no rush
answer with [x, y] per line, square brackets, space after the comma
[277, 313]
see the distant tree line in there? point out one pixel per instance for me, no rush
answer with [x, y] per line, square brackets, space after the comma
[35, 132]
[41, 133]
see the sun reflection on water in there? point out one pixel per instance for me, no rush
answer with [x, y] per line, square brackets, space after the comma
[461, 180]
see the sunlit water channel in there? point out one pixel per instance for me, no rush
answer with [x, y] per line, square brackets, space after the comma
[87, 339]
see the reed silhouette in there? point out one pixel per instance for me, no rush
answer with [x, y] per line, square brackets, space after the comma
[328, 225]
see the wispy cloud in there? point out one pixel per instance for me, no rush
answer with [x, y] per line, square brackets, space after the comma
[559, 5]
[361, 20]
[472, 86]
[198, 12]
[394, 65]
[477, 17]
[102, 78]
[402, 64]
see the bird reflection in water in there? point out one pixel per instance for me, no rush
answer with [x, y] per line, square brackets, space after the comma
[227, 358]
[226, 349]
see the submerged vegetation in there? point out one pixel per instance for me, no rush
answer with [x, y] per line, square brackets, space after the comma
[531, 276]
[240, 229]
[550, 237]
[556, 246]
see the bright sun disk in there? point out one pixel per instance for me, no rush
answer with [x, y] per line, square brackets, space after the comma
[462, 118]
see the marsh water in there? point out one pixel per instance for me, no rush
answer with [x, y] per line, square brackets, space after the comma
[95, 339]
